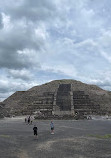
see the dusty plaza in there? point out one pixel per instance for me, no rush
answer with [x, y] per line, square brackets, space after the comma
[72, 139]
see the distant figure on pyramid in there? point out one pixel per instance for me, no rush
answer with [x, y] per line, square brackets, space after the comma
[52, 127]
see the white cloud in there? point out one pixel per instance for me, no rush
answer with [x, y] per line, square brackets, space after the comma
[44, 40]
[106, 56]
[67, 70]
[6, 22]
[20, 74]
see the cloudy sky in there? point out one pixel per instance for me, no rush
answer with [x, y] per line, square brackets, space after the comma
[44, 40]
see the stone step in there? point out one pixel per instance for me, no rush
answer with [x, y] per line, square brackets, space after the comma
[82, 102]
[84, 110]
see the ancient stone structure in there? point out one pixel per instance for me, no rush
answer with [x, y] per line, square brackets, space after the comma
[59, 98]
[63, 102]
[3, 110]
[69, 102]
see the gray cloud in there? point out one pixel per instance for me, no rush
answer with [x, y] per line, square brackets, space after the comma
[1, 23]
[18, 39]
[31, 9]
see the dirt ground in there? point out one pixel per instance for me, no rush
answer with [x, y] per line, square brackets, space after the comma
[72, 139]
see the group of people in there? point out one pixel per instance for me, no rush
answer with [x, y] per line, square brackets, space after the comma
[29, 119]
[35, 129]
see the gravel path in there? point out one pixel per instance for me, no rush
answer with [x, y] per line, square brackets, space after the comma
[72, 139]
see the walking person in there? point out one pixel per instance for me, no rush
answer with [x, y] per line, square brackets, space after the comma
[35, 131]
[25, 120]
[29, 120]
[52, 127]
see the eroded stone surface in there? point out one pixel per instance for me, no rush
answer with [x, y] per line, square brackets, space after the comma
[62, 97]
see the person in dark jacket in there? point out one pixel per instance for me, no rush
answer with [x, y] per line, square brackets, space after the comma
[35, 131]
[29, 120]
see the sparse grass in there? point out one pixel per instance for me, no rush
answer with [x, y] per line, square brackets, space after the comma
[106, 136]
[5, 136]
